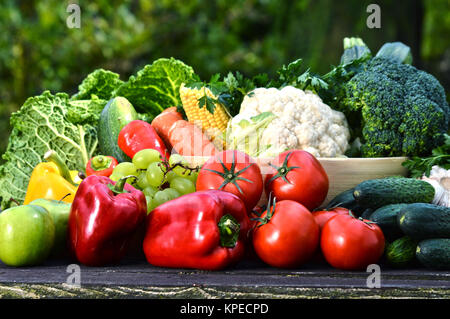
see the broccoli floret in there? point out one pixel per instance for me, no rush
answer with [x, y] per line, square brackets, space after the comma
[403, 111]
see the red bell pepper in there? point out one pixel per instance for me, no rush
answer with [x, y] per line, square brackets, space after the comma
[103, 219]
[203, 230]
[139, 135]
[101, 165]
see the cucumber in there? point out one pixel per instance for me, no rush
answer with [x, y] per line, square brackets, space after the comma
[345, 200]
[434, 253]
[386, 218]
[367, 214]
[116, 114]
[376, 193]
[401, 252]
[425, 221]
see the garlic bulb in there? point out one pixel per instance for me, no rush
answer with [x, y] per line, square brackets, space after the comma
[440, 179]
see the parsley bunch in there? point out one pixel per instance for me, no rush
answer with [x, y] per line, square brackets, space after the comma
[440, 156]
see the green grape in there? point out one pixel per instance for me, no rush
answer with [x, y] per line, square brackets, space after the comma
[115, 177]
[173, 193]
[149, 200]
[170, 175]
[182, 185]
[180, 171]
[124, 169]
[192, 177]
[144, 158]
[160, 198]
[155, 174]
[177, 158]
[150, 191]
[142, 180]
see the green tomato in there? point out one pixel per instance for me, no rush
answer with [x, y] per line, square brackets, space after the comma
[27, 234]
[59, 211]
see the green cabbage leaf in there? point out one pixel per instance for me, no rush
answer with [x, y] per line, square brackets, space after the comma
[48, 122]
[157, 86]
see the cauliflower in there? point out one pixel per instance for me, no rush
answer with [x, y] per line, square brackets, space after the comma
[300, 121]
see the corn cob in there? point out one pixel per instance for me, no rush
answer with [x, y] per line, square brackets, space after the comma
[214, 125]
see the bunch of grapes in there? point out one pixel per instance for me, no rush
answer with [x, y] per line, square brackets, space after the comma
[160, 180]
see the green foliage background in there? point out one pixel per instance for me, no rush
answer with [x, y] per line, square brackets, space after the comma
[38, 51]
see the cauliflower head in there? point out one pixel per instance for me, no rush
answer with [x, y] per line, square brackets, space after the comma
[300, 121]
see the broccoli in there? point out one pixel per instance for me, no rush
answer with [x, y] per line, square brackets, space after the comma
[402, 111]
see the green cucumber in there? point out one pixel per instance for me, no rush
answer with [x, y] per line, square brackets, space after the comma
[386, 218]
[116, 114]
[376, 193]
[434, 253]
[345, 200]
[401, 252]
[425, 221]
[367, 214]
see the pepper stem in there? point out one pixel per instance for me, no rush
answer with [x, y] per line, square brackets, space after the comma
[100, 162]
[229, 231]
[52, 156]
[119, 187]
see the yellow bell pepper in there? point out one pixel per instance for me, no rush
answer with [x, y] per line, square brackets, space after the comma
[52, 180]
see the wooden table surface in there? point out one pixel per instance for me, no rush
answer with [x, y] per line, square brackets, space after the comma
[135, 278]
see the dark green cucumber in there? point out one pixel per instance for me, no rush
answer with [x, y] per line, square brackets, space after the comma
[434, 253]
[386, 218]
[376, 193]
[116, 114]
[424, 221]
[367, 214]
[401, 252]
[345, 200]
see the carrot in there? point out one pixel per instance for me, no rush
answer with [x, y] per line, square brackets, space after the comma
[164, 121]
[188, 140]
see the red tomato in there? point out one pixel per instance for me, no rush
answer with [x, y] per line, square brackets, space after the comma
[288, 238]
[298, 176]
[351, 243]
[234, 172]
[322, 216]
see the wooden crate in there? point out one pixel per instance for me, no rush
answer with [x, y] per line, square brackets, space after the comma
[343, 173]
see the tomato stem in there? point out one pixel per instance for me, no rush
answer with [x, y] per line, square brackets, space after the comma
[283, 170]
[230, 175]
[269, 213]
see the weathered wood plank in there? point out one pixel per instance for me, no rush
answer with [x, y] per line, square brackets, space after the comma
[138, 279]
